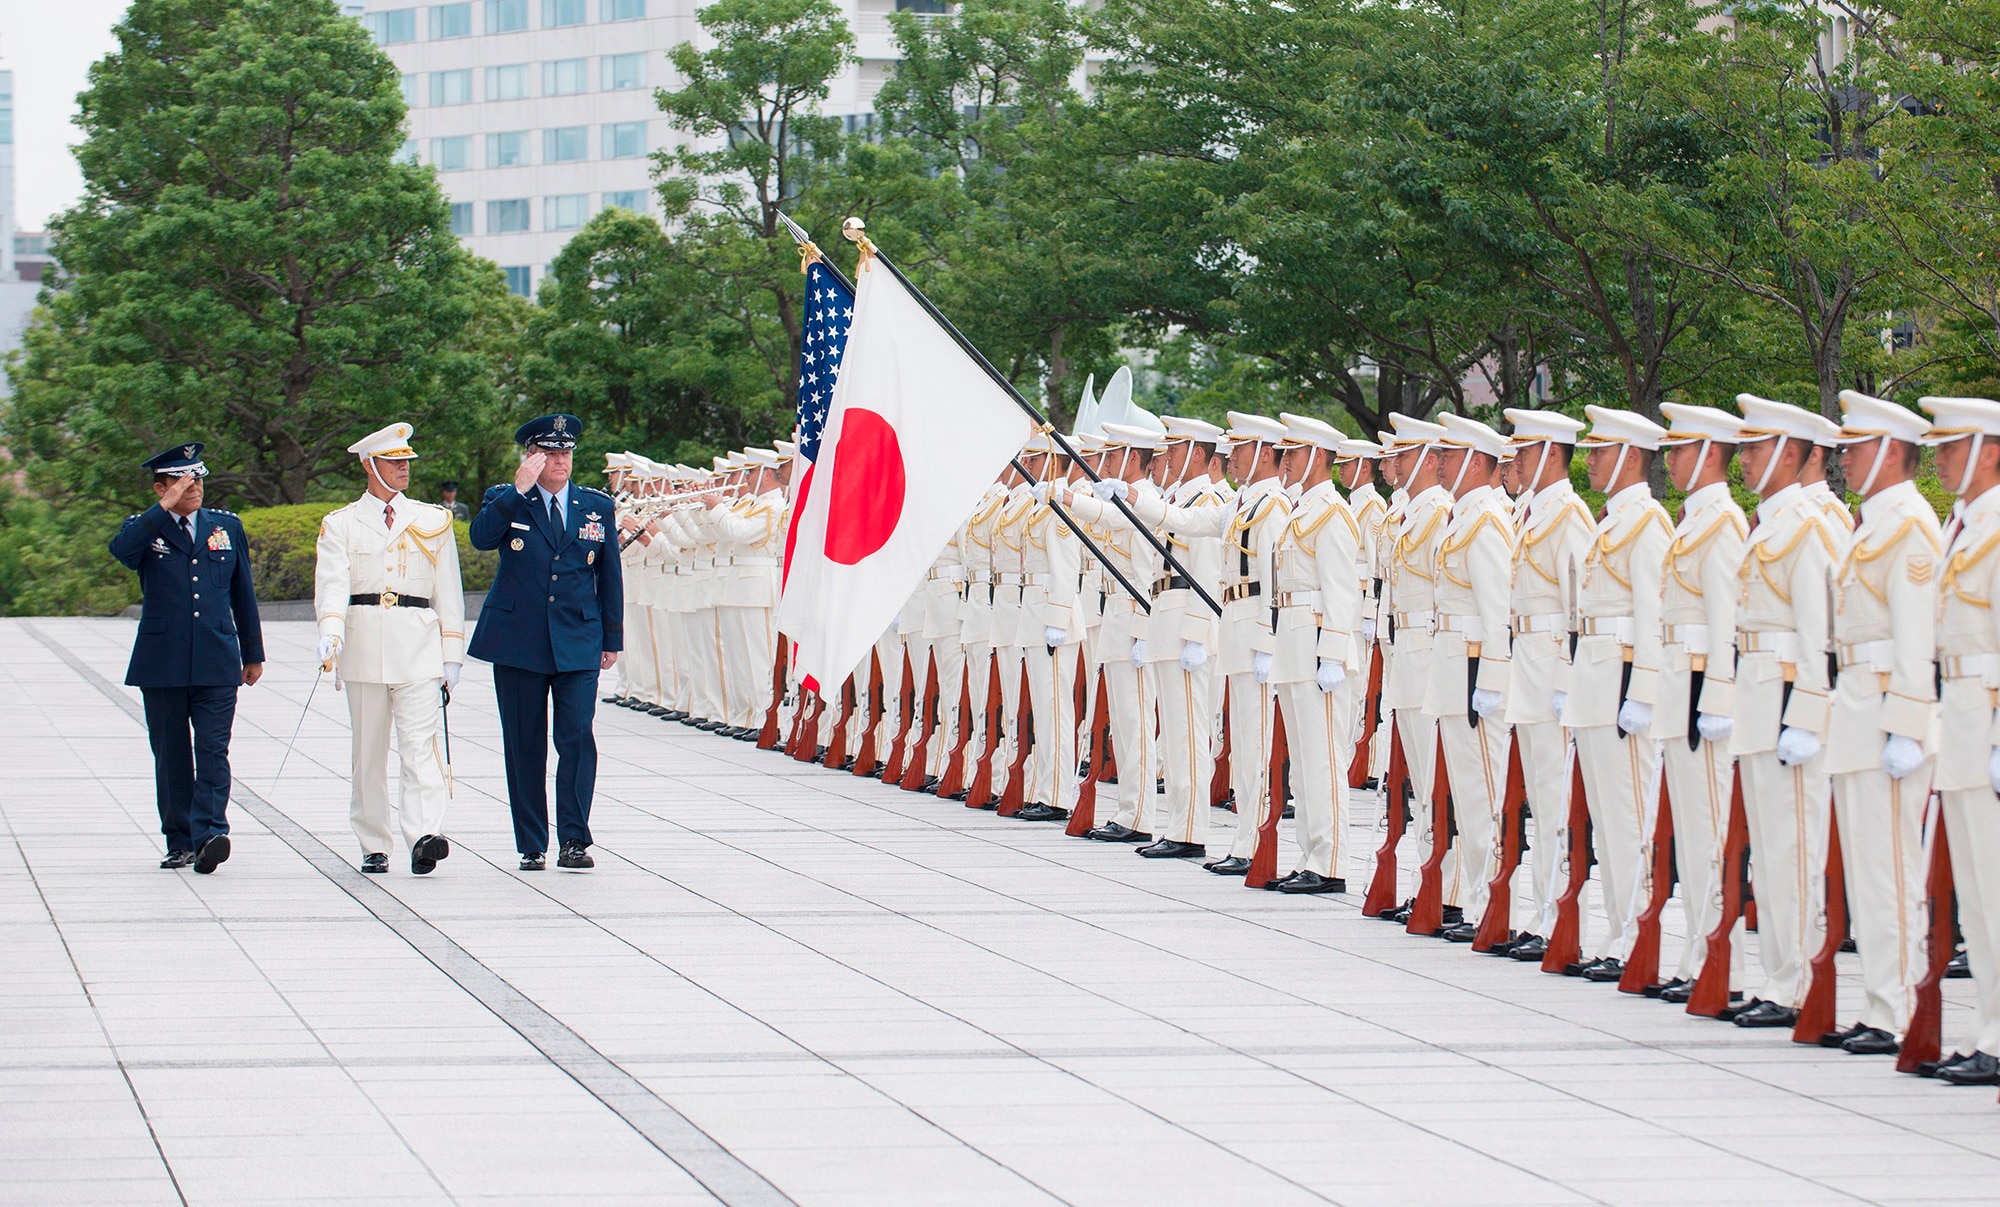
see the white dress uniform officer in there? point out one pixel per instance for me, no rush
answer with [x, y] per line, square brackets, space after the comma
[391, 614]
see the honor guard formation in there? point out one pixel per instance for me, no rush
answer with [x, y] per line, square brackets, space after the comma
[1785, 719]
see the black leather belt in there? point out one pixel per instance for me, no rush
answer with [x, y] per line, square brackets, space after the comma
[1170, 582]
[389, 599]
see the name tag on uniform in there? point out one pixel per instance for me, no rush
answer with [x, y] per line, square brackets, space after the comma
[520, 525]
[160, 546]
[592, 531]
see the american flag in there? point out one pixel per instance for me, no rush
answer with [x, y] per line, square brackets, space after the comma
[829, 310]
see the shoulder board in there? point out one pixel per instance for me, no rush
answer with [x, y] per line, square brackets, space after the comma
[221, 511]
[130, 518]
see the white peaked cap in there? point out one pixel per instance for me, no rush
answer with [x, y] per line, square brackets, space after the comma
[1038, 442]
[392, 443]
[1958, 417]
[1304, 429]
[617, 461]
[1411, 431]
[1532, 427]
[1865, 417]
[1135, 437]
[1472, 434]
[1179, 428]
[1699, 423]
[1387, 442]
[1621, 427]
[720, 463]
[1245, 427]
[1350, 449]
[1763, 418]
[763, 457]
[1092, 443]
[785, 448]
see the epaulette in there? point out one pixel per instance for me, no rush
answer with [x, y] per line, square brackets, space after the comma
[588, 490]
[223, 511]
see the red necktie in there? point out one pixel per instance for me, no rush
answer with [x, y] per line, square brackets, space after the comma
[388, 515]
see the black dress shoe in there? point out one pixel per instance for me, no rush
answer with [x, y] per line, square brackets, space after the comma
[425, 855]
[1871, 1041]
[1041, 812]
[533, 863]
[962, 794]
[1605, 970]
[1767, 1014]
[612, 700]
[709, 726]
[1272, 886]
[1929, 1068]
[930, 783]
[1370, 784]
[1167, 848]
[1728, 1013]
[1833, 1039]
[1677, 992]
[1464, 932]
[177, 860]
[1658, 990]
[1505, 948]
[1399, 915]
[992, 804]
[1528, 947]
[1453, 915]
[575, 856]
[1957, 969]
[819, 754]
[658, 710]
[1288, 814]
[1111, 831]
[1312, 882]
[213, 854]
[1234, 865]
[847, 764]
[673, 714]
[375, 865]
[1980, 1068]
[1847, 945]
[1578, 969]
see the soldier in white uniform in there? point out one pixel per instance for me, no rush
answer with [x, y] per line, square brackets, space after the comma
[1780, 703]
[1614, 678]
[749, 538]
[1553, 535]
[392, 615]
[1884, 702]
[1698, 664]
[1052, 626]
[976, 621]
[1966, 434]
[1355, 470]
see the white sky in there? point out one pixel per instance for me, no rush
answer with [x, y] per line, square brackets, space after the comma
[50, 45]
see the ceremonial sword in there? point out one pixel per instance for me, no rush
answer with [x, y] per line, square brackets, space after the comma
[296, 728]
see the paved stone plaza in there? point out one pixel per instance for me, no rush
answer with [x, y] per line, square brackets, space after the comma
[783, 984]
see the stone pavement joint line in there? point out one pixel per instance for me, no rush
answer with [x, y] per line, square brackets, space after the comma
[716, 1168]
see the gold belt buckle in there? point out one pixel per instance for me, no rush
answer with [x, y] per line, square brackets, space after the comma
[389, 599]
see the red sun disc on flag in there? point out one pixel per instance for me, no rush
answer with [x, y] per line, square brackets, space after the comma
[866, 502]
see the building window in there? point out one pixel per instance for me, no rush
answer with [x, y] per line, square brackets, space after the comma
[624, 140]
[461, 217]
[507, 83]
[624, 71]
[408, 152]
[565, 77]
[562, 12]
[506, 16]
[506, 217]
[565, 144]
[452, 154]
[631, 199]
[565, 213]
[451, 87]
[392, 27]
[451, 20]
[411, 90]
[621, 10]
[519, 278]
[508, 150]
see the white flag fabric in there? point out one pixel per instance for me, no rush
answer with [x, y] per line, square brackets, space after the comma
[918, 431]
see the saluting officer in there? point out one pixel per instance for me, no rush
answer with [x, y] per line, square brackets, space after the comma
[189, 659]
[553, 620]
[386, 591]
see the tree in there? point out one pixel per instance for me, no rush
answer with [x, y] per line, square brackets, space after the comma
[249, 264]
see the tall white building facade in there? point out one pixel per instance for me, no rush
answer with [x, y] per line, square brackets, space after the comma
[538, 114]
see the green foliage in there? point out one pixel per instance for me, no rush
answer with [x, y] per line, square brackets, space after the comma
[54, 562]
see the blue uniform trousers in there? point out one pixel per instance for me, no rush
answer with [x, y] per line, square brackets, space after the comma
[524, 732]
[190, 777]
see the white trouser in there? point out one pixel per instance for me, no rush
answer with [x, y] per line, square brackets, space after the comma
[1250, 707]
[1009, 658]
[1545, 775]
[1475, 758]
[1128, 690]
[705, 647]
[413, 709]
[1319, 735]
[637, 675]
[1621, 782]
[1972, 827]
[1882, 859]
[950, 655]
[659, 636]
[688, 663]
[978, 683]
[1052, 705]
[1187, 751]
[748, 650]
[1698, 792]
[1418, 731]
[1787, 811]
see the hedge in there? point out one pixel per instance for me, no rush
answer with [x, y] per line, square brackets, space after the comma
[283, 544]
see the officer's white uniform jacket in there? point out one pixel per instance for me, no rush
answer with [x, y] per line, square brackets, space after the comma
[976, 548]
[1052, 566]
[749, 538]
[1192, 524]
[1968, 647]
[1699, 608]
[1250, 533]
[1474, 577]
[1551, 541]
[1885, 632]
[1410, 592]
[1783, 622]
[1320, 590]
[1010, 539]
[1371, 515]
[1133, 556]
[1619, 613]
[417, 556]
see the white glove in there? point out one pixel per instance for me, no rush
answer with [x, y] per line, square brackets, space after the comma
[1193, 654]
[1900, 756]
[1485, 702]
[1713, 727]
[1051, 635]
[1260, 666]
[1138, 651]
[1557, 702]
[338, 682]
[1993, 769]
[1796, 746]
[329, 645]
[1368, 630]
[1634, 716]
[1331, 674]
[1041, 492]
[452, 673]
[1109, 489]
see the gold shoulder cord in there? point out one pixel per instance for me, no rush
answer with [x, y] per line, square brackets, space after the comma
[1406, 543]
[1602, 551]
[1859, 556]
[1962, 562]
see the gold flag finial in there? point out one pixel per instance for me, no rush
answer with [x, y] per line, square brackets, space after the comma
[855, 231]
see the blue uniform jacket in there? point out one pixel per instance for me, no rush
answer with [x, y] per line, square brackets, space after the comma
[558, 601]
[198, 621]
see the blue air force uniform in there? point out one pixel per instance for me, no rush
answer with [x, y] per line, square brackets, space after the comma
[198, 628]
[555, 608]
